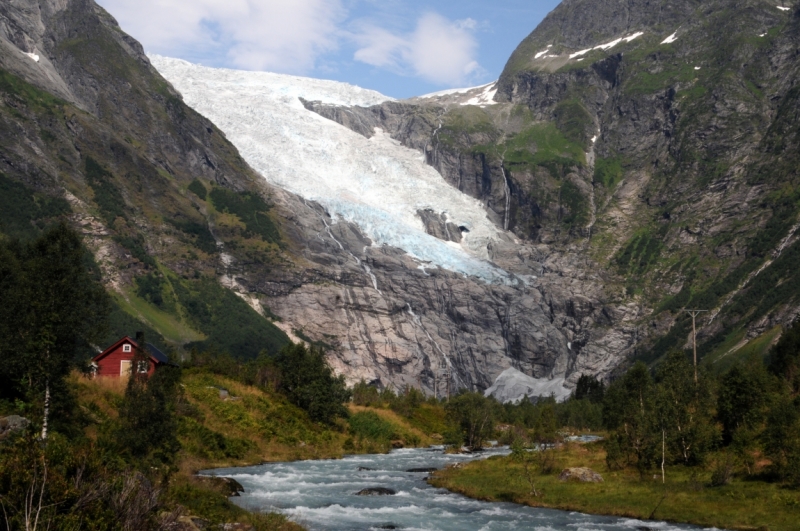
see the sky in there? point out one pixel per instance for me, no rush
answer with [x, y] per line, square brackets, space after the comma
[401, 48]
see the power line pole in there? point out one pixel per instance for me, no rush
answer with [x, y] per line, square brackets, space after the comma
[694, 314]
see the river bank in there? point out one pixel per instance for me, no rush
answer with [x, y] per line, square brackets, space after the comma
[685, 496]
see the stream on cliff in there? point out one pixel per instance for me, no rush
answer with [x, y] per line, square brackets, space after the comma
[321, 496]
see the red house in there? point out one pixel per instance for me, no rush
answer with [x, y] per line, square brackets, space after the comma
[117, 360]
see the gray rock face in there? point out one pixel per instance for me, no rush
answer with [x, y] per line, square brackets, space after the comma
[437, 225]
[650, 116]
[393, 322]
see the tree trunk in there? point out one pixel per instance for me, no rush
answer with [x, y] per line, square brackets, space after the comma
[663, 453]
[46, 410]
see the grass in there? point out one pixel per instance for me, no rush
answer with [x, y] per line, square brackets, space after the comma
[743, 504]
[543, 145]
[724, 356]
[170, 327]
[251, 426]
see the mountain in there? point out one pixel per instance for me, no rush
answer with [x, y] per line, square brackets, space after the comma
[632, 159]
[656, 141]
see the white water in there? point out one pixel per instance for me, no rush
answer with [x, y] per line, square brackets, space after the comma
[321, 496]
[376, 183]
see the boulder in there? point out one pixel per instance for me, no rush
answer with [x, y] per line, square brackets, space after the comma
[11, 424]
[376, 491]
[585, 475]
[421, 469]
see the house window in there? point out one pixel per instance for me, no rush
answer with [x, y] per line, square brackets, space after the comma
[144, 366]
[126, 348]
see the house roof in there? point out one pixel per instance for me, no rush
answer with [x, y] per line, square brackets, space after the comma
[155, 355]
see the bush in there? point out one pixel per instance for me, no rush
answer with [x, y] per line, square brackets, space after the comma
[309, 383]
[369, 425]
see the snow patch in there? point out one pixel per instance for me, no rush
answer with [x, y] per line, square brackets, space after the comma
[697, 68]
[376, 183]
[763, 35]
[486, 97]
[783, 8]
[594, 139]
[672, 38]
[513, 385]
[450, 92]
[543, 52]
[608, 45]
[32, 56]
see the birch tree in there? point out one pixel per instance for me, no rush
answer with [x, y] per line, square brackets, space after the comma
[53, 311]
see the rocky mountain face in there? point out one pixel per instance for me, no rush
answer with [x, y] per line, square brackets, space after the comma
[635, 161]
[196, 248]
[655, 142]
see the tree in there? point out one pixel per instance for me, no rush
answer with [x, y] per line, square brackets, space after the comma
[782, 439]
[684, 410]
[590, 388]
[148, 425]
[743, 399]
[784, 359]
[473, 416]
[52, 313]
[309, 383]
[628, 415]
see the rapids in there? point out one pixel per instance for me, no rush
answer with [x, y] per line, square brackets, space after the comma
[321, 496]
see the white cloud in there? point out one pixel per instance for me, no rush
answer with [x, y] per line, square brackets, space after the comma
[293, 35]
[439, 50]
[283, 35]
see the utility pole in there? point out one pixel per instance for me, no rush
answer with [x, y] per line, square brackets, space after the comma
[694, 314]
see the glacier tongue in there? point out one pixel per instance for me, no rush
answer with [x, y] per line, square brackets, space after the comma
[513, 386]
[376, 183]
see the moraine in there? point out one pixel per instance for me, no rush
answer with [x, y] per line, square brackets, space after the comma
[321, 495]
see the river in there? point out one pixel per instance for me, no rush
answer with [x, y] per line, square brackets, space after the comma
[321, 496]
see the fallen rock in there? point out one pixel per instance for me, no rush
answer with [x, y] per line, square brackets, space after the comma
[236, 526]
[376, 491]
[363, 468]
[585, 475]
[11, 424]
[228, 486]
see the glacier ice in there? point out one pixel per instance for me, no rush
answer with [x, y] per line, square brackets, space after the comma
[376, 183]
[513, 386]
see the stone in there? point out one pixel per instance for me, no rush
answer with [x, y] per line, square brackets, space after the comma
[12, 424]
[376, 491]
[584, 475]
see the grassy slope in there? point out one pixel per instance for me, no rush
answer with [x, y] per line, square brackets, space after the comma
[742, 505]
[252, 426]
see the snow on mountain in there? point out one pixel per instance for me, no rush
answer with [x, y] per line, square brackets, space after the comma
[376, 183]
[513, 385]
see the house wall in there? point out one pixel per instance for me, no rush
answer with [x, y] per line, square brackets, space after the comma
[110, 364]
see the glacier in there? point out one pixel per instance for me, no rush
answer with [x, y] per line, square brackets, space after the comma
[376, 183]
[512, 386]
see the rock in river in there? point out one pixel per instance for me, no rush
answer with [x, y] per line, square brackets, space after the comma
[376, 491]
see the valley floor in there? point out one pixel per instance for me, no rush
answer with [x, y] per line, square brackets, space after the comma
[744, 504]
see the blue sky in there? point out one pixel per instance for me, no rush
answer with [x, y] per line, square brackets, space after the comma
[401, 48]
